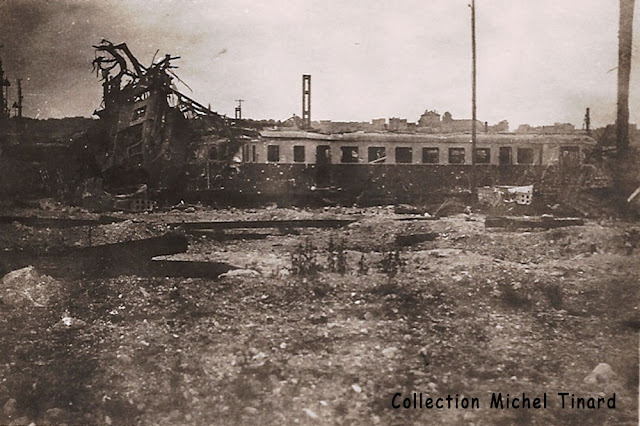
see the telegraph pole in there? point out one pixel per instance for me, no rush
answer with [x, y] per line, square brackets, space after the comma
[4, 95]
[625, 38]
[19, 123]
[20, 97]
[473, 96]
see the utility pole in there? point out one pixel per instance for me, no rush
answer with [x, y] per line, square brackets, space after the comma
[19, 123]
[473, 97]
[4, 93]
[20, 97]
[625, 37]
[239, 109]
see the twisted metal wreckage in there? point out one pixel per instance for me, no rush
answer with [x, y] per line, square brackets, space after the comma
[150, 131]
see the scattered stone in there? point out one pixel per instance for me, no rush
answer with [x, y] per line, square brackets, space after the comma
[259, 356]
[356, 388]
[441, 253]
[283, 273]
[22, 421]
[603, 373]
[319, 319]
[240, 273]
[26, 287]
[310, 413]
[54, 416]
[4, 393]
[69, 323]
[10, 407]
[251, 410]
[469, 416]
[390, 352]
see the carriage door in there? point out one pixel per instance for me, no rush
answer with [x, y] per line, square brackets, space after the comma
[323, 165]
[569, 157]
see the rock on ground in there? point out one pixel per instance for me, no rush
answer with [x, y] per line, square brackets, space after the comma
[27, 287]
[603, 373]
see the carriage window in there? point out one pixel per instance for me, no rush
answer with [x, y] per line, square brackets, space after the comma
[213, 153]
[404, 155]
[138, 113]
[483, 156]
[456, 155]
[298, 154]
[349, 154]
[254, 154]
[273, 153]
[525, 155]
[431, 155]
[377, 154]
[505, 155]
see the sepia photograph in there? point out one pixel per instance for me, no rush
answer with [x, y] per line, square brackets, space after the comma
[319, 212]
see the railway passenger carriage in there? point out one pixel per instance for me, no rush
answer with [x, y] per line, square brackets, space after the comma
[386, 167]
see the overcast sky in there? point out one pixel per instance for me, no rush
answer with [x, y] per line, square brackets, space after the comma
[539, 62]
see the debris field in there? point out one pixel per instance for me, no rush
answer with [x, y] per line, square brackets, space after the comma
[311, 316]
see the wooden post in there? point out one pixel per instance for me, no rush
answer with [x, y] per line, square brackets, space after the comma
[625, 37]
[473, 97]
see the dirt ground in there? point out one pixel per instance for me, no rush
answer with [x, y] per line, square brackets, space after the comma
[325, 326]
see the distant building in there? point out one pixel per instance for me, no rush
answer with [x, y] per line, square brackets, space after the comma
[328, 126]
[293, 121]
[379, 124]
[501, 127]
[466, 125]
[556, 128]
[430, 119]
[451, 125]
[398, 124]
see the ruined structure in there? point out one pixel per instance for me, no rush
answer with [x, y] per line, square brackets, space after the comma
[149, 130]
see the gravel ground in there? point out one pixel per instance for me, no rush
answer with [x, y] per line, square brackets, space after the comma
[469, 313]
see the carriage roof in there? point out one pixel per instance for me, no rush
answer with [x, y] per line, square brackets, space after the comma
[451, 138]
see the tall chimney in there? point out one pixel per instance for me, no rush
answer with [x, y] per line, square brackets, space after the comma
[306, 100]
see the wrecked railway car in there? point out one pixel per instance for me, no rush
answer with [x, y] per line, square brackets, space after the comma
[386, 167]
[149, 128]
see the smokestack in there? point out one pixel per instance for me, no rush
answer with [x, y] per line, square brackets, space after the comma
[587, 120]
[306, 100]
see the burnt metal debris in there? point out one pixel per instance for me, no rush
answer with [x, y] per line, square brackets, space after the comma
[150, 128]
